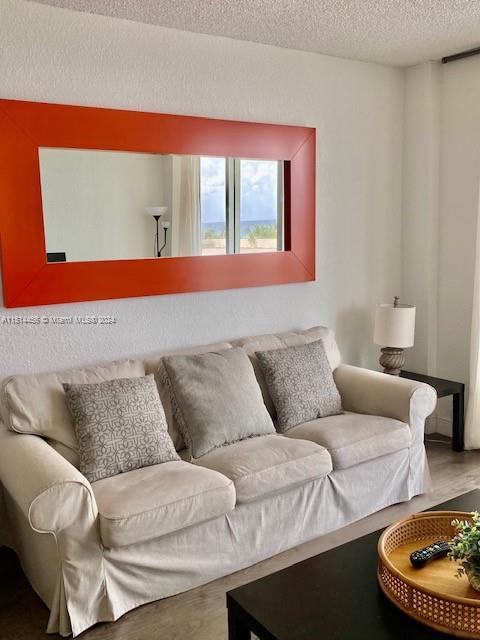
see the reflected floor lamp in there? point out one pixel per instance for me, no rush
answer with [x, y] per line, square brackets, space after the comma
[157, 213]
[394, 332]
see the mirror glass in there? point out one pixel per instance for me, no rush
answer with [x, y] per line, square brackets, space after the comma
[108, 205]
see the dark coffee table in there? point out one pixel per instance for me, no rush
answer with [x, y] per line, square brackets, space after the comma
[332, 596]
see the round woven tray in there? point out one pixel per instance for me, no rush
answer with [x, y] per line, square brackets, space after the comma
[432, 595]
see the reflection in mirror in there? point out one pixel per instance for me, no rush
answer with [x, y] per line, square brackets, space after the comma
[106, 205]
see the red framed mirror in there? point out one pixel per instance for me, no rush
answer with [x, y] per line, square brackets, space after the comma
[29, 279]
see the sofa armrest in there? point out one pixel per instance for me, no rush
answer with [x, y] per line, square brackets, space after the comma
[56, 498]
[375, 393]
[50, 491]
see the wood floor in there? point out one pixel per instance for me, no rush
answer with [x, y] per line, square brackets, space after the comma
[200, 614]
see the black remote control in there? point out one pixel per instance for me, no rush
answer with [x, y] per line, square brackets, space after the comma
[434, 551]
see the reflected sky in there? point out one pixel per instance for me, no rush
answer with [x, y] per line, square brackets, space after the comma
[258, 190]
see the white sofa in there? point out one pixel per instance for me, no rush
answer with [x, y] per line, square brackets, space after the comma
[124, 541]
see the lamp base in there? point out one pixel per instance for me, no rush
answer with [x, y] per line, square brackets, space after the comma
[392, 360]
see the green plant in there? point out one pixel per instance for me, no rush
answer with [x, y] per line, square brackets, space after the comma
[265, 231]
[465, 546]
[214, 234]
[262, 231]
[252, 239]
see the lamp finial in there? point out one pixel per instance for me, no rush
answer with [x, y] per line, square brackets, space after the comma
[396, 301]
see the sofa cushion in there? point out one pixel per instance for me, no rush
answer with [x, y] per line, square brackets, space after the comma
[278, 341]
[120, 426]
[352, 438]
[155, 501]
[69, 454]
[36, 403]
[300, 383]
[268, 464]
[217, 399]
[154, 364]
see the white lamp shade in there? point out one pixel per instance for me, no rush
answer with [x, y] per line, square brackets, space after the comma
[394, 326]
[156, 211]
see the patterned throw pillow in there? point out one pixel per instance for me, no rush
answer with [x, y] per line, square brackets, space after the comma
[120, 426]
[301, 384]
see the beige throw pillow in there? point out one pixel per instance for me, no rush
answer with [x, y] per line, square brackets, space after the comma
[154, 364]
[217, 399]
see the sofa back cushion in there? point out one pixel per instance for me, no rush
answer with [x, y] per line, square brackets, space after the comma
[280, 341]
[36, 404]
[216, 399]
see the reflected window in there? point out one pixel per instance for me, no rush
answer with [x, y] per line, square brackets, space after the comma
[241, 205]
[260, 205]
[213, 191]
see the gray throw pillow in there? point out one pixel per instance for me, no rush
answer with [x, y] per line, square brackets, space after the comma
[120, 426]
[301, 384]
[216, 399]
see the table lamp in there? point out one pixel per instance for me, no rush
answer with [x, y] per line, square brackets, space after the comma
[394, 332]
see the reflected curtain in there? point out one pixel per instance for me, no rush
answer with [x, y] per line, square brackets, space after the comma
[186, 218]
[472, 425]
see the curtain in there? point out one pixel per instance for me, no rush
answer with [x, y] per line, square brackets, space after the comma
[472, 425]
[186, 220]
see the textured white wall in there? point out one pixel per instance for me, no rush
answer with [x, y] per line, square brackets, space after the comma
[421, 161]
[459, 180]
[441, 186]
[56, 55]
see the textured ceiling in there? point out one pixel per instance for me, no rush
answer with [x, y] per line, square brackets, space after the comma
[395, 32]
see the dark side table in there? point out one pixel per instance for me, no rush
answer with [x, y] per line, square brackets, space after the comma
[446, 388]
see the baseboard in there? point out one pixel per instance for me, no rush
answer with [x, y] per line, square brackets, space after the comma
[439, 424]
